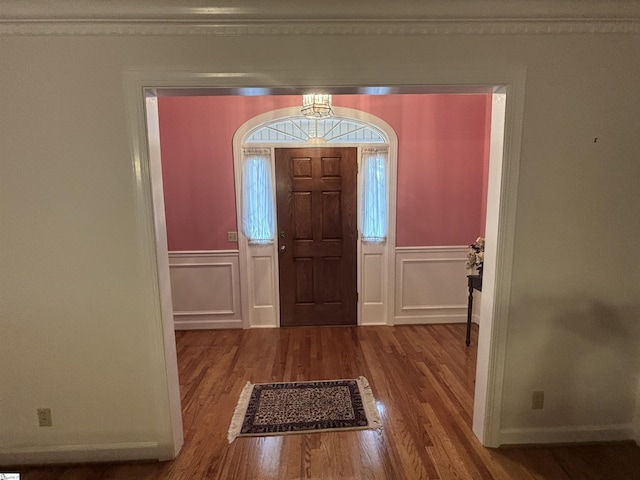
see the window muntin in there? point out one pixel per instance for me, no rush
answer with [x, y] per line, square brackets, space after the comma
[330, 130]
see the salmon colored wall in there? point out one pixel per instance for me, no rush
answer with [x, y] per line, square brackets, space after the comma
[196, 135]
[441, 150]
[442, 158]
[485, 164]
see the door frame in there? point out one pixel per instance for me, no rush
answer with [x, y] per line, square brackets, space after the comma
[259, 290]
[506, 81]
[285, 184]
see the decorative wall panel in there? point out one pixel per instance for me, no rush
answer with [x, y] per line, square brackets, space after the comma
[205, 289]
[431, 285]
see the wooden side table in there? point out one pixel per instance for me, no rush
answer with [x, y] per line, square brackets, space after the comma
[473, 281]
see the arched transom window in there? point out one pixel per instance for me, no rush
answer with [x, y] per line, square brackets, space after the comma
[335, 129]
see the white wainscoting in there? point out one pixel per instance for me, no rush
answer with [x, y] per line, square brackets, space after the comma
[205, 289]
[261, 286]
[431, 285]
[373, 292]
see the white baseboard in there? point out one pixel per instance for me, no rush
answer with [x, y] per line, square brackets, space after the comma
[431, 319]
[568, 434]
[82, 454]
[205, 324]
[364, 323]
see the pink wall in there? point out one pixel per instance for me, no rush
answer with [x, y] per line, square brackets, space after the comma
[441, 150]
[196, 135]
[485, 165]
[441, 164]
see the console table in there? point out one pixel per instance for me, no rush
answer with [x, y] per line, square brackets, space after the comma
[473, 281]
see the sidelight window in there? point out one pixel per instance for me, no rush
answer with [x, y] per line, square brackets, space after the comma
[374, 198]
[257, 196]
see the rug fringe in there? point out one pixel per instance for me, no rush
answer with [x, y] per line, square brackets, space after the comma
[369, 403]
[239, 413]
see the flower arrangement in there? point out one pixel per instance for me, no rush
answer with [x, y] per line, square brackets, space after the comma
[475, 257]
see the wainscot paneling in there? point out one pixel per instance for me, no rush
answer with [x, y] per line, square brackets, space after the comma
[205, 289]
[373, 294]
[431, 285]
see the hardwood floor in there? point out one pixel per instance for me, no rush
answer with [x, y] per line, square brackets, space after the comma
[422, 377]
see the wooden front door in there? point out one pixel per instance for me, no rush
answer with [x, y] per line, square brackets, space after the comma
[317, 235]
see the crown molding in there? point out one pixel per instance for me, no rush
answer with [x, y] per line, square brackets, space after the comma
[461, 26]
[329, 17]
[292, 10]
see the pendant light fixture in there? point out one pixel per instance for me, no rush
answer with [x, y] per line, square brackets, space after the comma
[316, 105]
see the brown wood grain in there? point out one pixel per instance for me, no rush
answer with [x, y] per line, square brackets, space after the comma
[422, 377]
[316, 197]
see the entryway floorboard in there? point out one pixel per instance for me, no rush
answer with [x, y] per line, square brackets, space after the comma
[422, 377]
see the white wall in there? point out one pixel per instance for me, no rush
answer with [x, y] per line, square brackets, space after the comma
[573, 329]
[80, 331]
[80, 323]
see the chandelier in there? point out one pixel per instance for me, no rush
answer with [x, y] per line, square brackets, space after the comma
[316, 106]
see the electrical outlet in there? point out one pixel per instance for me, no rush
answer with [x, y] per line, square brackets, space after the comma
[44, 417]
[537, 400]
[232, 236]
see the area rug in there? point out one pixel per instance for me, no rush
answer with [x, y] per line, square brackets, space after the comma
[304, 407]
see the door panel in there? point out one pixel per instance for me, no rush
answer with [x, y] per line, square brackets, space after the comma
[317, 214]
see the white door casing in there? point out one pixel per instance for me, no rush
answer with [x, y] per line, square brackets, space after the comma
[259, 263]
[140, 85]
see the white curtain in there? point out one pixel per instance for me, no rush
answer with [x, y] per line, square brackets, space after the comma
[257, 196]
[374, 201]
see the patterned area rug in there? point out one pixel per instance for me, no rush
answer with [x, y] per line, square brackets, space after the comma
[303, 407]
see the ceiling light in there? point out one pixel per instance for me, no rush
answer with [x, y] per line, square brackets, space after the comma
[316, 105]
